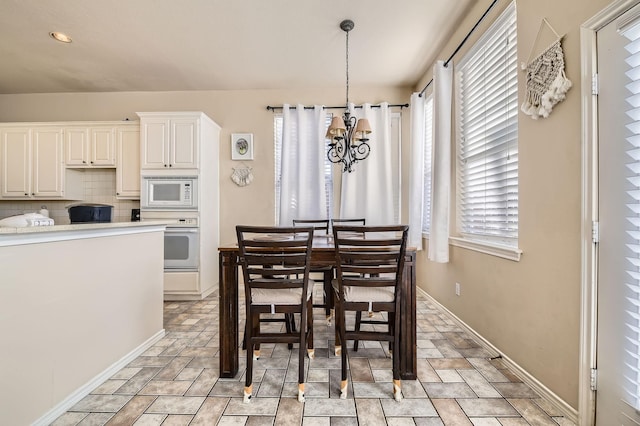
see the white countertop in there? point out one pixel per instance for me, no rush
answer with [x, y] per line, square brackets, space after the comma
[80, 227]
[10, 236]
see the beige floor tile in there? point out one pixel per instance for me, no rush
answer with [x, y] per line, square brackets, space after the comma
[147, 420]
[408, 408]
[69, 419]
[177, 420]
[257, 407]
[210, 411]
[176, 404]
[486, 407]
[370, 412]
[532, 412]
[449, 390]
[329, 407]
[450, 412]
[165, 387]
[101, 403]
[289, 412]
[132, 410]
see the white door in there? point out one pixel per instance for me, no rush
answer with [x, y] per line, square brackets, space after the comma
[618, 318]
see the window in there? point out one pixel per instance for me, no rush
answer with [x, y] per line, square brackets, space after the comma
[328, 174]
[428, 148]
[629, 259]
[487, 130]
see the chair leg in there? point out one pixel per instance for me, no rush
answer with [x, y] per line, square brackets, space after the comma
[327, 288]
[397, 384]
[290, 325]
[248, 382]
[310, 349]
[344, 382]
[337, 351]
[357, 328]
[303, 344]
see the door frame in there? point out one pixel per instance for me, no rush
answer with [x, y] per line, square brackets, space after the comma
[589, 208]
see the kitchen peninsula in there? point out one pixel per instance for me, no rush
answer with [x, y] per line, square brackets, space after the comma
[77, 303]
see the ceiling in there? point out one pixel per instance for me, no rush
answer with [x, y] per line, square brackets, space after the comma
[168, 45]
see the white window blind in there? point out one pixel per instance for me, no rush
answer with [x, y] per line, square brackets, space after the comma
[428, 148]
[487, 129]
[328, 175]
[631, 308]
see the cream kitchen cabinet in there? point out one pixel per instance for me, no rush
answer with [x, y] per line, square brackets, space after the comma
[32, 161]
[91, 146]
[169, 140]
[128, 162]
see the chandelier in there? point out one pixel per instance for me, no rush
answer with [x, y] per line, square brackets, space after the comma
[348, 135]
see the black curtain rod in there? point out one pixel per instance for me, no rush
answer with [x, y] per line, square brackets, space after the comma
[273, 108]
[464, 40]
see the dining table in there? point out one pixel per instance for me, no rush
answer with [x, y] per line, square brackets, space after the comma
[322, 254]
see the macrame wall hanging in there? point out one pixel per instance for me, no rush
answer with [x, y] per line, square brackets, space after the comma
[242, 176]
[546, 83]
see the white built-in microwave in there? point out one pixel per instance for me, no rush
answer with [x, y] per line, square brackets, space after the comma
[169, 192]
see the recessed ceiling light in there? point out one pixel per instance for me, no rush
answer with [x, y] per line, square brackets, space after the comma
[60, 37]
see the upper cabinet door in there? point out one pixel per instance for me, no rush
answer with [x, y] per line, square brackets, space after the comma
[77, 147]
[184, 143]
[154, 143]
[48, 162]
[15, 149]
[103, 146]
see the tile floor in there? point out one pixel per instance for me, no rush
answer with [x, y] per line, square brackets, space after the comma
[176, 382]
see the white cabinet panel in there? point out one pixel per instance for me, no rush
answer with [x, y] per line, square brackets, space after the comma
[128, 164]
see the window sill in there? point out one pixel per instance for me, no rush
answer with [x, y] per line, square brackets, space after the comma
[494, 249]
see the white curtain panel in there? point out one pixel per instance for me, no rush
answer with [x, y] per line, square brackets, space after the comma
[368, 191]
[416, 193]
[303, 193]
[441, 167]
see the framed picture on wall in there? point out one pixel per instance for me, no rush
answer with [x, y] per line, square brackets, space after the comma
[242, 146]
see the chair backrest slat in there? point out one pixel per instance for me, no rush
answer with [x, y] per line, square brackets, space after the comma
[275, 257]
[320, 226]
[370, 255]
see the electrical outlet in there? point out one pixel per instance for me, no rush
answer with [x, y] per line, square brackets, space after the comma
[457, 289]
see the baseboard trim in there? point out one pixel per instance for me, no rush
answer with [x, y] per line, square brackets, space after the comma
[558, 403]
[85, 389]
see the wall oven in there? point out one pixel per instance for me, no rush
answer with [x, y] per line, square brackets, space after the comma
[169, 193]
[181, 239]
[181, 248]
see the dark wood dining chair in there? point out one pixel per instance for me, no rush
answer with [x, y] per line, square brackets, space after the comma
[321, 228]
[275, 265]
[359, 321]
[369, 268]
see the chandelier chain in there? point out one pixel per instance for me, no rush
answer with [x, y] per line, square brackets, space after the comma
[347, 57]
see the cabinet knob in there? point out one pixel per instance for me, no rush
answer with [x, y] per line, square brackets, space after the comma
[33, 194]
[170, 165]
[84, 162]
[165, 165]
[26, 193]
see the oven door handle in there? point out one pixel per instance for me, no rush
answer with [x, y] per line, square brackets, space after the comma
[182, 230]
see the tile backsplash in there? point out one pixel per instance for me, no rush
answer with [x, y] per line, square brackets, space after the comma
[99, 187]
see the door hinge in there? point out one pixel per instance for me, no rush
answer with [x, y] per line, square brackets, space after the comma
[594, 84]
[595, 231]
[594, 379]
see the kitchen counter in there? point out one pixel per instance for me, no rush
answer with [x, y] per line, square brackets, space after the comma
[77, 303]
[38, 234]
